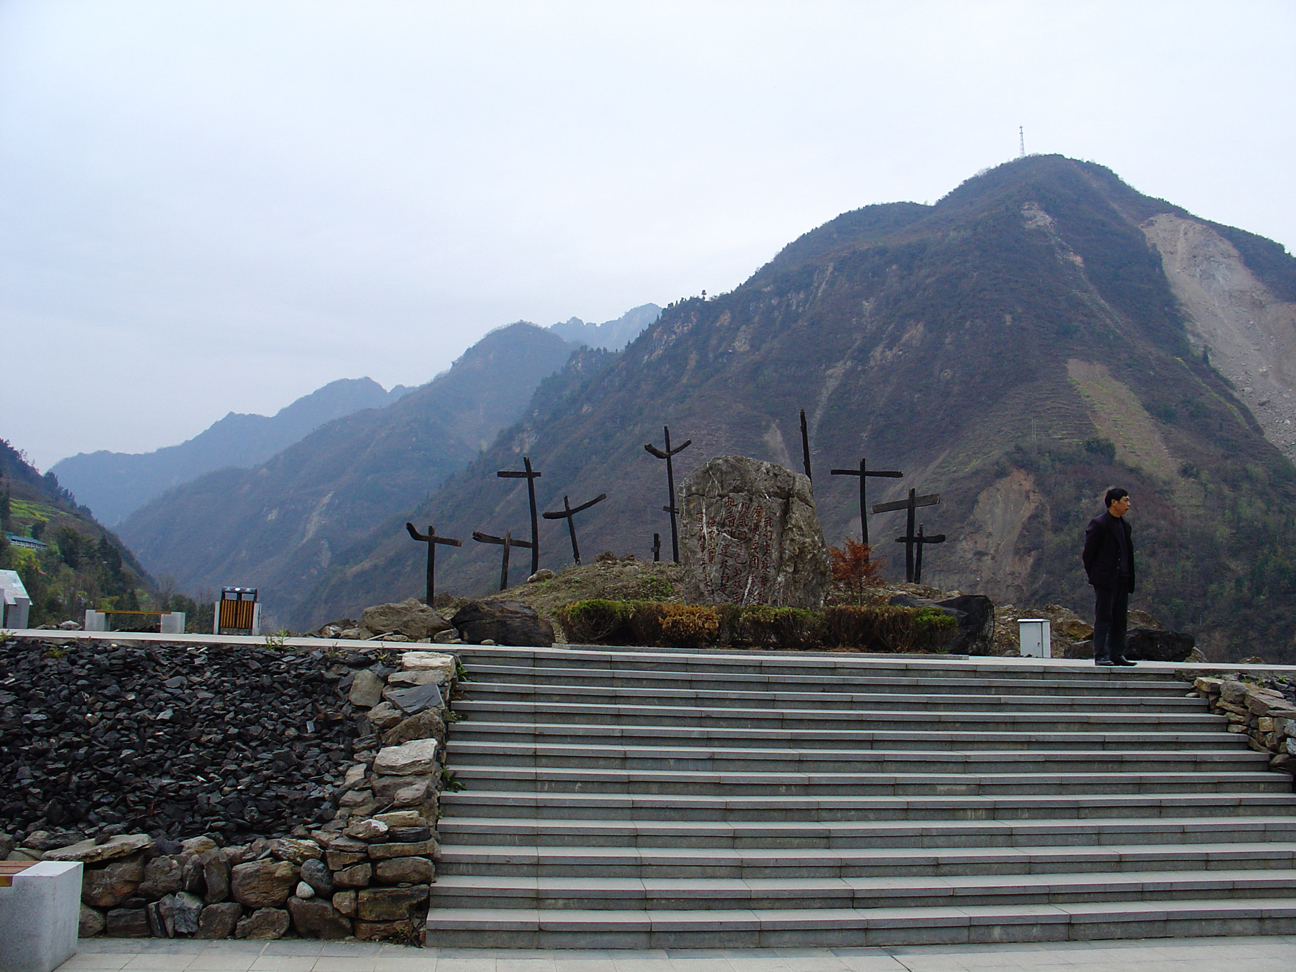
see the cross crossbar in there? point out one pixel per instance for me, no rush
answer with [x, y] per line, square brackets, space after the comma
[568, 513]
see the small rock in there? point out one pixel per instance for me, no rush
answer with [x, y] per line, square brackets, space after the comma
[127, 923]
[356, 876]
[295, 851]
[402, 818]
[263, 924]
[384, 715]
[263, 884]
[404, 870]
[219, 920]
[382, 852]
[345, 902]
[317, 918]
[109, 886]
[162, 876]
[389, 904]
[304, 891]
[91, 923]
[426, 725]
[317, 876]
[415, 757]
[414, 699]
[367, 830]
[366, 689]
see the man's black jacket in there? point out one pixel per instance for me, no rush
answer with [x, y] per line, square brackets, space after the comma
[1102, 550]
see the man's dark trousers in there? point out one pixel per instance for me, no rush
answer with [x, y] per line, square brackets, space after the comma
[1111, 608]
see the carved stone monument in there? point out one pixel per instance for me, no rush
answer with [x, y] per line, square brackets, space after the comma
[750, 535]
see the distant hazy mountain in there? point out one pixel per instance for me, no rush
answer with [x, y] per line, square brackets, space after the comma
[1042, 332]
[277, 526]
[115, 484]
[610, 335]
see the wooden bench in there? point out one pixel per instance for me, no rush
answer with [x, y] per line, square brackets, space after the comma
[9, 868]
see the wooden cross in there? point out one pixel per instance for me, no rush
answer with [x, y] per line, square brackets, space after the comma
[805, 449]
[670, 484]
[919, 541]
[530, 477]
[656, 547]
[569, 514]
[863, 473]
[431, 539]
[508, 541]
[911, 504]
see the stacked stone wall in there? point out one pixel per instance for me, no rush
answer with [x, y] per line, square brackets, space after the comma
[1266, 714]
[213, 791]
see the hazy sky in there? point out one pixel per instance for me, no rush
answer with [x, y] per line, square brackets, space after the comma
[216, 206]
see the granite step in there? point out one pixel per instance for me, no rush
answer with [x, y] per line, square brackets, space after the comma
[698, 807]
[853, 927]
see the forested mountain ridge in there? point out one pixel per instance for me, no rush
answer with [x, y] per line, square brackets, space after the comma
[1016, 347]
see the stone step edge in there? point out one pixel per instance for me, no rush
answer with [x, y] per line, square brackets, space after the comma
[818, 676]
[1050, 883]
[781, 830]
[829, 802]
[816, 856]
[1141, 912]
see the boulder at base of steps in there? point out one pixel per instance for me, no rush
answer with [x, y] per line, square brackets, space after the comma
[653, 799]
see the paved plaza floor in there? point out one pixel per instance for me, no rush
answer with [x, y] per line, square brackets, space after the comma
[1273, 954]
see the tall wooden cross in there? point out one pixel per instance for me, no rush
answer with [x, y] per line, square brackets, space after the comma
[530, 476]
[864, 473]
[431, 539]
[569, 514]
[805, 449]
[911, 505]
[507, 541]
[918, 541]
[670, 484]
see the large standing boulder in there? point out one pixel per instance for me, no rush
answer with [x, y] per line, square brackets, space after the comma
[410, 617]
[750, 535]
[503, 622]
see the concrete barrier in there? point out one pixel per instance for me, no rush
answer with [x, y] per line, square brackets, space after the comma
[38, 917]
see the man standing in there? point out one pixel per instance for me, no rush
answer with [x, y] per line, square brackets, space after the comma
[1109, 562]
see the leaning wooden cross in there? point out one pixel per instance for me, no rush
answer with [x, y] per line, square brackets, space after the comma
[431, 539]
[864, 473]
[507, 541]
[919, 541]
[569, 514]
[530, 476]
[911, 505]
[670, 484]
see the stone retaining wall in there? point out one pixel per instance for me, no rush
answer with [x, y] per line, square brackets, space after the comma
[1264, 713]
[218, 791]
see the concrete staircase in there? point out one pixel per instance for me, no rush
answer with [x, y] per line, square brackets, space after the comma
[650, 799]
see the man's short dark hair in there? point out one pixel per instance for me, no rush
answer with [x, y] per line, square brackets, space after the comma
[1114, 494]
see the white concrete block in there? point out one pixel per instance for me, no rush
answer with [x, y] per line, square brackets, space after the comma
[38, 915]
[96, 621]
[173, 623]
[14, 602]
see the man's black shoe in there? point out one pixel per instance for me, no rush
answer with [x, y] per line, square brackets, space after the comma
[1123, 661]
[1104, 661]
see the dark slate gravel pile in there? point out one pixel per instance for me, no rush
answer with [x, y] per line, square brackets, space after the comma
[174, 740]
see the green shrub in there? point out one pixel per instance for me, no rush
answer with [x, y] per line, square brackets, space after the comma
[888, 628]
[674, 625]
[597, 621]
[763, 626]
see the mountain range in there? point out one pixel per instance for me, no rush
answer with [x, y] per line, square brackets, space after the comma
[115, 484]
[1038, 334]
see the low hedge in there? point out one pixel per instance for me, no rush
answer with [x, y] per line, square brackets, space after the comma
[877, 628]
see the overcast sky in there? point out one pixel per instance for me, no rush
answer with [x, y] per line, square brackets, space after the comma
[221, 206]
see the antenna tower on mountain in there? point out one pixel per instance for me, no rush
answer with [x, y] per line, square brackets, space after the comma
[1021, 134]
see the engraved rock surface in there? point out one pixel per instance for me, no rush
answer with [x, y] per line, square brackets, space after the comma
[750, 535]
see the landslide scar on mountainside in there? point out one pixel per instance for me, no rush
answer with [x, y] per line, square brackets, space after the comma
[988, 556]
[1118, 415]
[1251, 334]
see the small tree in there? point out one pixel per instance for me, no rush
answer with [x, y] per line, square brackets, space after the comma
[854, 569]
